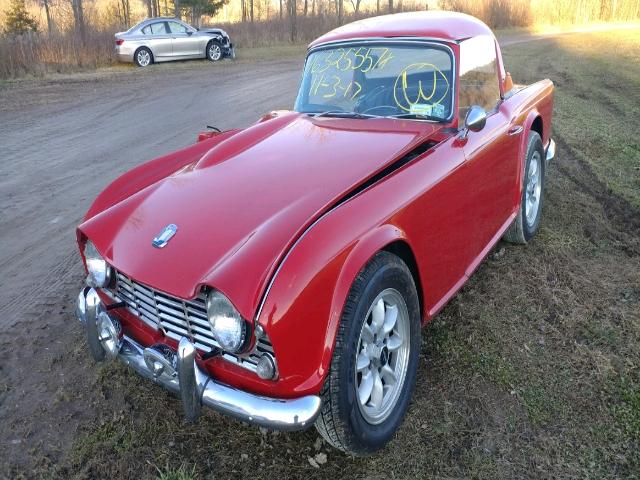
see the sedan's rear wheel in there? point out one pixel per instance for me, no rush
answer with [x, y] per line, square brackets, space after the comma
[372, 374]
[214, 50]
[143, 57]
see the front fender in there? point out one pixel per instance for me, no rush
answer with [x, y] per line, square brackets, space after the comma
[302, 308]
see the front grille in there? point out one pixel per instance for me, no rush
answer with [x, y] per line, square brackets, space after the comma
[178, 318]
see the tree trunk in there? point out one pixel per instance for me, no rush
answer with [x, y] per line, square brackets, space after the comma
[176, 8]
[306, 7]
[78, 19]
[390, 6]
[293, 20]
[313, 8]
[149, 8]
[49, 21]
[378, 7]
[340, 11]
[280, 9]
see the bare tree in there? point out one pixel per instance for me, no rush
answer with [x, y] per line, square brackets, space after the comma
[292, 8]
[176, 8]
[251, 9]
[340, 11]
[390, 6]
[45, 3]
[78, 19]
[378, 7]
[356, 5]
[280, 9]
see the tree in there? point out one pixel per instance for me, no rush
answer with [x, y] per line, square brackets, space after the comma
[292, 8]
[202, 7]
[78, 19]
[356, 5]
[18, 20]
[45, 3]
[390, 6]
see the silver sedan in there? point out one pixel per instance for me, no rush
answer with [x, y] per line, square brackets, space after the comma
[165, 39]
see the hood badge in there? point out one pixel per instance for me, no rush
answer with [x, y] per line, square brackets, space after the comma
[165, 235]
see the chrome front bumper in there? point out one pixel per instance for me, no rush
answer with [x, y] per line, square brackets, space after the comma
[177, 371]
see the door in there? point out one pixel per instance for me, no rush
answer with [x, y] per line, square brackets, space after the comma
[489, 153]
[184, 42]
[158, 39]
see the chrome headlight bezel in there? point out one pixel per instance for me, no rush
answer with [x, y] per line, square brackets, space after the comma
[99, 271]
[229, 329]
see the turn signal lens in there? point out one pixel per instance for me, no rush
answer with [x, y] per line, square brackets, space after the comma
[99, 270]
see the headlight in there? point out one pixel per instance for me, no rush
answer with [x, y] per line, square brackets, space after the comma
[99, 270]
[228, 327]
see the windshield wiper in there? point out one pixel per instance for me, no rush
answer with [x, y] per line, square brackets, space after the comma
[416, 116]
[342, 114]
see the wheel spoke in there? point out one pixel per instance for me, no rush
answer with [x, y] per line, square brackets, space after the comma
[389, 376]
[365, 388]
[390, 317]
[394, 342]
[377, 392]
[367, 334]
[377, 316]
[362, 361]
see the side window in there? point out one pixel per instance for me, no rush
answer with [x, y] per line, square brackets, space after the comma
[177, 27]
[478, 74]
[146, 30]
[159, 28]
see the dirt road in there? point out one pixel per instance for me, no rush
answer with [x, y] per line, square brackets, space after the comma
[61, 142]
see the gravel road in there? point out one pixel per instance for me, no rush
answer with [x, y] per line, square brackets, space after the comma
[63, 141]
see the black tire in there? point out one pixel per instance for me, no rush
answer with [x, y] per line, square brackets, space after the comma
[341, 422]
[140, 56]
[214, 51]
[522, 230]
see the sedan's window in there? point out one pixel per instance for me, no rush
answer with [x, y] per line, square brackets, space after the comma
[177, 27]
[385, 79]
[146, 30]
[159, 28]
[478, 74]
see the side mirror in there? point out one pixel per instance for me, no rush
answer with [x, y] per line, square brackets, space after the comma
[189, 32]
[507, 85]
[474, 120]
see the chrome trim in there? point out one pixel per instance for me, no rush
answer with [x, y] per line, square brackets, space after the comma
[177, 318]
[550, 151]
[198, 389]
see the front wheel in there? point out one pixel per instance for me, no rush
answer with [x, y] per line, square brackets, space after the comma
[527, 222]
[375, 359]
[214, 51]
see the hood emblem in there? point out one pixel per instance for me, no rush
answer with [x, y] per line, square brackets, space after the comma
[165, 235]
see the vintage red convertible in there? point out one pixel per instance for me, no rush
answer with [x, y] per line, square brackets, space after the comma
[281, 273]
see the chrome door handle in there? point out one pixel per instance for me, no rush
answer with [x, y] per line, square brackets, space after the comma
[515, 130]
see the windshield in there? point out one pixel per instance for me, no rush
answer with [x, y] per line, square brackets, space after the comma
[383, 79]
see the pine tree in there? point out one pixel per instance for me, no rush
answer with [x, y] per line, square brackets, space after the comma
[18, 20]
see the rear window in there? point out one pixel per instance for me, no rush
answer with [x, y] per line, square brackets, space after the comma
[158, 28]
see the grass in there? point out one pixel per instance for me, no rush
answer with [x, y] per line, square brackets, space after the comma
[530, 372]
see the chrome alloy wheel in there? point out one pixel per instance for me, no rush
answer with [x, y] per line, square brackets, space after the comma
[382, 356]
[215, 52]
[533, 188]
[144, 57]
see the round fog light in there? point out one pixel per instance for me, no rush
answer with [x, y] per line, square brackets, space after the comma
[109, 334]
[266, 368]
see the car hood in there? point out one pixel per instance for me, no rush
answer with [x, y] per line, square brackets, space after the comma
[241, 206]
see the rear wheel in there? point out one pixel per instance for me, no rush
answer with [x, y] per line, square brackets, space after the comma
[214, 50]
[527, 222]
[143, 57]
[375, 359]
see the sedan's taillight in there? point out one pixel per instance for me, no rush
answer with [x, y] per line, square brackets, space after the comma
[119, 41]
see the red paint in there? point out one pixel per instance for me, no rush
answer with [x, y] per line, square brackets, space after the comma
[256, 206]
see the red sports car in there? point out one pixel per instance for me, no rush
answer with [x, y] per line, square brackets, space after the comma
[281, 273]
